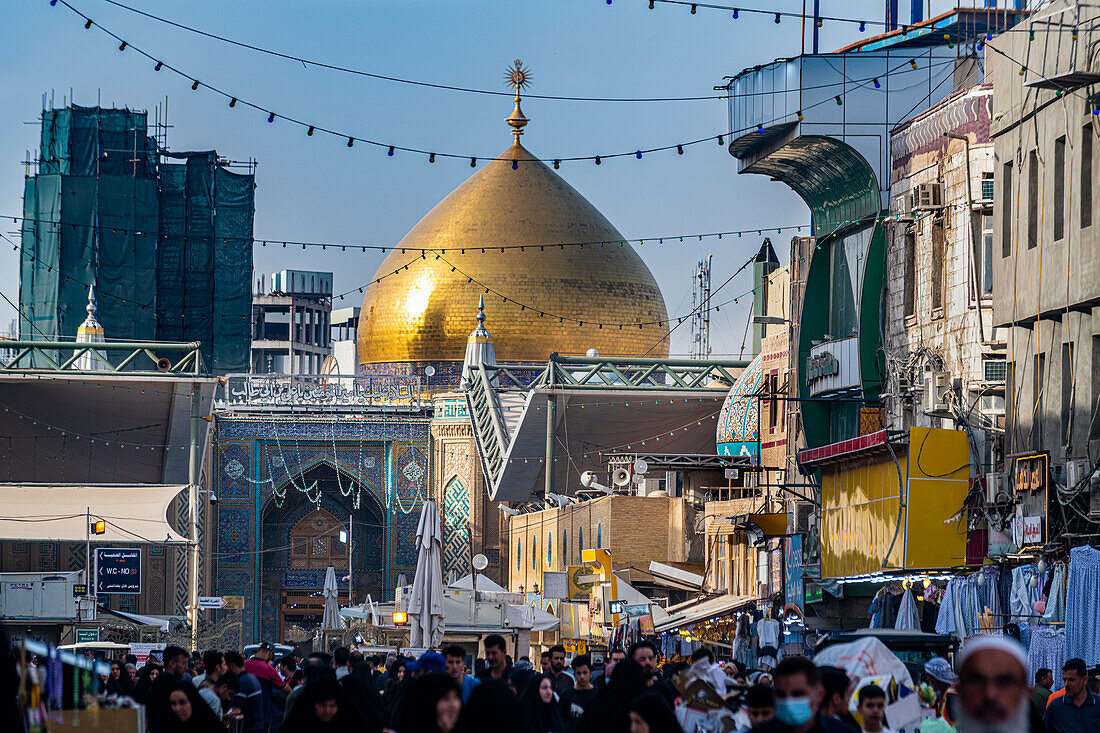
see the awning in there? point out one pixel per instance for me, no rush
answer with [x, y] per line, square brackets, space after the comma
[59, 512]
[701, 611]
[674, 577]
[484, 583]
[160, 622]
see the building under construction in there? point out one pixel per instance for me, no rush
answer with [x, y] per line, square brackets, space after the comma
[165, 238]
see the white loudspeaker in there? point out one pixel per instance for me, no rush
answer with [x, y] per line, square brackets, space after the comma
[620, 477]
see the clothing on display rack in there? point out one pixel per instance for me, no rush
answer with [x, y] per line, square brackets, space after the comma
[1023, 598]
[1055, 611]
[1047, 649]
[1082, 604]
[767, 632]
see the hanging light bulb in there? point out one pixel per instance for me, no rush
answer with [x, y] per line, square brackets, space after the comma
[819, 22]
[233, 102]
[122, 46]
[651, 4]
[310, 131]
[862, 27]
[736, 13]
[800, 117]
[195, 86]
[913, 63]
[760, 128]
[597, 160]
[88, 24]
[679, 149]
[838, 100]
[473, 162]
[270, 116]
[878, 84]
[693, 8]
[158, 67]
[638, 155]
[431, 158]
[390, 151]
[777, 18]
[351, 141]
[720, 140]
[1022, 71]
[557, 164]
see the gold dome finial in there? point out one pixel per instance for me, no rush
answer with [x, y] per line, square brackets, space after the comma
[518, 77]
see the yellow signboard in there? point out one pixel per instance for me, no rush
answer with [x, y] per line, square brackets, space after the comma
[580, 590]
[233, 603]
[861, 506]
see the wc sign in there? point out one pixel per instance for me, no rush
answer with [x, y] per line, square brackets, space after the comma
[117, 570]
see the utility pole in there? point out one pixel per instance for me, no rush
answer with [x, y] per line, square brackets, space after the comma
[549, 468]
[88, 576]
[193, 470]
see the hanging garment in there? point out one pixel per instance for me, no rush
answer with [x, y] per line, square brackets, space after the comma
[907, 612]
[1083, 605]
[945, 620]
[875, 610]
[1056, 599]
[1047, 649]
[1023, 600]
[767, 631]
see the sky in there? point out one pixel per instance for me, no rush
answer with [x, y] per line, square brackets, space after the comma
[317, 189]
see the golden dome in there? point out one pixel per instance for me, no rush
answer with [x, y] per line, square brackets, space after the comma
[425, 313]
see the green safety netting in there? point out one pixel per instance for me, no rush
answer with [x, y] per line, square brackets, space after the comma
[173, 264]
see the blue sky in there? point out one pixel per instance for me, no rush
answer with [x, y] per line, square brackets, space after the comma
[317, 189]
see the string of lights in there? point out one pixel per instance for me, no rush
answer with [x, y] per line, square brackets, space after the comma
[81, 436]
[819, 19]
[344, 246]
[396, 79]
[434, 85]
[391, 149]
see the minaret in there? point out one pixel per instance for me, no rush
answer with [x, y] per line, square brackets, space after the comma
[479, 345]
[90, 332]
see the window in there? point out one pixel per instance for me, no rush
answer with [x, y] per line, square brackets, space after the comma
[720, 564]
[564, 549]
[986, 269]
[534, 553]
[1086, 176]
[599, 535]
[910, 273]
[1067, 391]
[995, 370]
[519, 554]
[549, 549]
[1060, 188]
[987, 187]
[936, 275]
[1094, 420]
[773, 403]
[1032, 199]
[1006, 210]
[580, 540]
[1037, 400]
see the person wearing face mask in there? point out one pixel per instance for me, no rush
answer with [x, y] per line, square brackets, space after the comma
[798, 698]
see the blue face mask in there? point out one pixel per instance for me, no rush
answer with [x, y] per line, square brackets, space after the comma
[793, 711]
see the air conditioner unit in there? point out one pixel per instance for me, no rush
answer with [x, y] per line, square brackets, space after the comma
[927, 196]
[1076, 469]
[803, 516]
[936, 386]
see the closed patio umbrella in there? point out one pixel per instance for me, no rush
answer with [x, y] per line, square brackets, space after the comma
[426, 600]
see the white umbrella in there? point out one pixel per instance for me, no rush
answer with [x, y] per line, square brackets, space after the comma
[331, 619]
[426, 600]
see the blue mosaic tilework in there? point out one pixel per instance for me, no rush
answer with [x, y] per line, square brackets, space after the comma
[456, 528]
[394, 428]
[229, 578]
[234, 467]
[309, 579]
[404, 537]
[233, 535]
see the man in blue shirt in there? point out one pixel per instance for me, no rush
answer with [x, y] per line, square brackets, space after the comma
[1078, 710]
[250, 698]
[456, 668]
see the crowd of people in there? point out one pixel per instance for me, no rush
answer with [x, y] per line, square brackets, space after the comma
[630, 692]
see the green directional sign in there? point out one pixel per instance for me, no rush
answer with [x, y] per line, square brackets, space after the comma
[86, 635]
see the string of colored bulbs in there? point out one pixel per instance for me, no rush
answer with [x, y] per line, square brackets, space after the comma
[391, 149]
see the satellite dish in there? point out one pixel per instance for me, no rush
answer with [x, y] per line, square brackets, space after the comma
[620, 477]
[429, 371]
[640, 466]
[480, 562]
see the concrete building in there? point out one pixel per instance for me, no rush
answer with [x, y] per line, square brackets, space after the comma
[1047, 245]
[945, 360]
[291, 323]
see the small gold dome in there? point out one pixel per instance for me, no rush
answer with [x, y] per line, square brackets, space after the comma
[425, 313]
